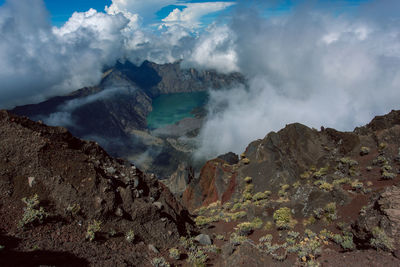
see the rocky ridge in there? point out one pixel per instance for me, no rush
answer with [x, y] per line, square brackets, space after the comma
[83, 195]
[303, 197]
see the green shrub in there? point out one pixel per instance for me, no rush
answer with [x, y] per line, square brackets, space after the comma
[204, 220]
[74, 209]
[92, 229]
[248, 179]
[236, 239]
[330, 211]
[380, 240]
[388, 175]
[293, 234]
[266, 239]
[309, 249]
[260, 196]
[382, 146]
[197, 258]
[32, 213]
[347, 242]
[257, 223]
[319, 213]
[364, 151]
[245, 228]
[236, 206]
[348, 161]
[310, 220]
[305, 175]
[283, 191]
[246, 161]
[130, 236]
[187, 243]
[174, 254]
[357, 185]
[296, 184]
[160, 262]
[268, 226]
[283, 218]
[342, 181]
[220, 237]
[321, 172]
[326, 187]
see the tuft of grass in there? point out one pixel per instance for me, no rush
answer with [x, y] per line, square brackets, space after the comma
[364, 151]
[326, 186]
[236, 239]
[348, 161]
[160, 262]
[330, 211]
[321, 172]
[33, 213]
[380, 240]
[174, 254]
[245, 228]
[257, 223]
[92, 229]
[261, 195]
[357, 185]
[130, 236]
[248, 179]
[305, 175]
[388, 175]
[246, 161]
[268, 226]
[341, 181]
[283, 191]
[283, 219]
[309, 221]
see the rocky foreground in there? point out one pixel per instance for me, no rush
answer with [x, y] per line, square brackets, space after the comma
[298, 197]
[64, 201]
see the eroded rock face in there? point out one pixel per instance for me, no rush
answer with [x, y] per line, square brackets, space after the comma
[382, 214]
[67, 172]
[217, 182]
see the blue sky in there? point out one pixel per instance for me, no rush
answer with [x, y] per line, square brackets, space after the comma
[61, 10]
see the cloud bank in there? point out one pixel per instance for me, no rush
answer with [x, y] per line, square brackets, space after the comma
[309, 66]
[38, 61]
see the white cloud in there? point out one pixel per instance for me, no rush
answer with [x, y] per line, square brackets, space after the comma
[145, 8]
[215, 49]
[192, 13]
[308, 67]
[38, 61]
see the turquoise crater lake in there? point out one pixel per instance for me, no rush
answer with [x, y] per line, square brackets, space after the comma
[171, 108]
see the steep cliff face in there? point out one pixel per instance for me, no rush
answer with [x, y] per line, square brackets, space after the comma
[174, 79]
[78, 183]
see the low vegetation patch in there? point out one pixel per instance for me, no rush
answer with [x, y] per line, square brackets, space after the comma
[380, 240]
[92, 230]
[283, 219]
[33, 213]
